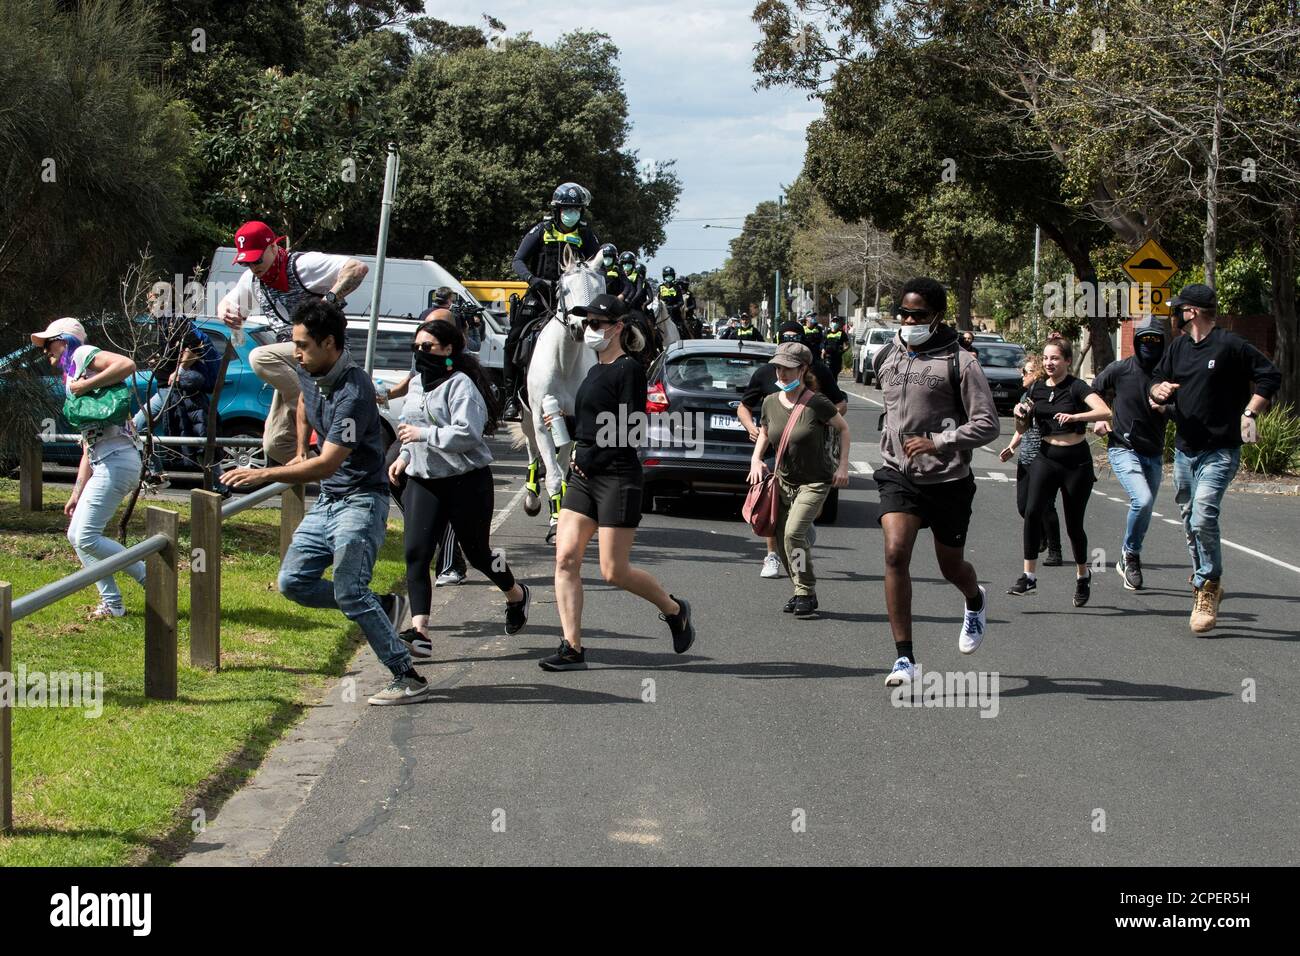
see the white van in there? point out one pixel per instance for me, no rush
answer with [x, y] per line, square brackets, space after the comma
[409, 287]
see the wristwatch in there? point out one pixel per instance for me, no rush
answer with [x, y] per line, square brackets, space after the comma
[1250, 413]
[331, 298]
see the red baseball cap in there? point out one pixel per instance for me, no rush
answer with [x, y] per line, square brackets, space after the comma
[252, 239]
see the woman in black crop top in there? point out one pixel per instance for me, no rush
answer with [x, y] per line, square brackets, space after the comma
[604, 483]
[1061, 406]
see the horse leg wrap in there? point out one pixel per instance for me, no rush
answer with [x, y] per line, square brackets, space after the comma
[531, 482]
[555, 504]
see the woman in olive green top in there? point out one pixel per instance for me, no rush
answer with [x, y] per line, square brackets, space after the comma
[807, 471]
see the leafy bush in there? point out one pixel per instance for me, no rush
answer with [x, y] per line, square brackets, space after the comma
[1170, 432]
[1278, 450]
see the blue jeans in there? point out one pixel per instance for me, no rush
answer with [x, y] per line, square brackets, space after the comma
[345, 533]
[1199, 484]
[112, 478]
[1140, 475]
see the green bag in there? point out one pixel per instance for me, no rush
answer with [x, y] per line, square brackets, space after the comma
[110, 405]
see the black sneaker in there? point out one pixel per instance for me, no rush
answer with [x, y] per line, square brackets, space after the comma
[394, 606]
[416, 643]
[565, 659]
[1130, 568]
[805, 605]
[1082, 590]
[788, 607]
[1024, 585]
[517, 611]
[681, 626]
[1054, 558]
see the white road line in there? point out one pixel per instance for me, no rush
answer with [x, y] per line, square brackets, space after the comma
[862, 467]
[1172, 521]
[505, 512]
[997, 476]
[1264, 557]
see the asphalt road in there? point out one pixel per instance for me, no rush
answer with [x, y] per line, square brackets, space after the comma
[1115, 736]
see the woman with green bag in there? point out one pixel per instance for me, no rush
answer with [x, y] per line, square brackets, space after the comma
[97, 405]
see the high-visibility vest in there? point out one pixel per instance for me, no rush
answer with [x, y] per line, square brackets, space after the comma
[746, 332]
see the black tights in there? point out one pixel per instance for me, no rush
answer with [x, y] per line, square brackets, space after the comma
[428, 506]
[1067, 469]
[1051, 523]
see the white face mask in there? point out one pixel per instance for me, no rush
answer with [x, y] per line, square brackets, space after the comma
[915, 335]
[596, 341]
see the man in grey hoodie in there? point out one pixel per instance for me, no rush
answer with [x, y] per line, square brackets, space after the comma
[938, 409]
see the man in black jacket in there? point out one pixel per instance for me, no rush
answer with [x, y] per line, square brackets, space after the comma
[1219, 385]
[1137, 437]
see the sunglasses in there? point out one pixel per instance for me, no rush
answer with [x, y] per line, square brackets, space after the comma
[596, 324]
[424, 346]
[914, 313]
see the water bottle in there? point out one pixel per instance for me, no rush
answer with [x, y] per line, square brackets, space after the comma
[381, 392]
[559, 428]
[237, 337]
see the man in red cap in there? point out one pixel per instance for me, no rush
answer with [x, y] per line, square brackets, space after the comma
[275, 282]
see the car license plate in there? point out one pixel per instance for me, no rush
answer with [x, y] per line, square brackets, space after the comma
[729, 422]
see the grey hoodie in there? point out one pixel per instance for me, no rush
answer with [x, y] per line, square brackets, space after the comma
[451, 419]
[919, 401]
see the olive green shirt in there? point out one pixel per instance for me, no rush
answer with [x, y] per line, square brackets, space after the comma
[808, 454]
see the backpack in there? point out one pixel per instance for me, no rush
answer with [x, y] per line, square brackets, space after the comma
[954, 379]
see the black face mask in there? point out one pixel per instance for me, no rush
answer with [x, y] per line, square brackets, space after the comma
[432, 368]
[1149, 352]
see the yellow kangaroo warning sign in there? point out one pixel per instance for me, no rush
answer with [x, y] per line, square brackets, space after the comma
[1150, 264]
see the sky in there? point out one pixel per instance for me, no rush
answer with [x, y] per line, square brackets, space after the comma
[688, 74]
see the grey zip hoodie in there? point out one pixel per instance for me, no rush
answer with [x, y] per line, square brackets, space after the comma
[919, 401]
[451, 419]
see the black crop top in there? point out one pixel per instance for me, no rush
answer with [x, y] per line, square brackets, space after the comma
[1048, 401]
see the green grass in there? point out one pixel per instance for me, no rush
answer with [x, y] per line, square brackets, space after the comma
[119, 789]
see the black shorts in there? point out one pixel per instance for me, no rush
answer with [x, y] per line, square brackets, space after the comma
[612, 499]
[944, 507]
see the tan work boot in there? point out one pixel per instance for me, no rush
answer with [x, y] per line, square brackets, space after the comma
[1205, 607]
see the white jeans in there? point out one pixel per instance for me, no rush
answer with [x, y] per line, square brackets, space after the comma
[112, 478]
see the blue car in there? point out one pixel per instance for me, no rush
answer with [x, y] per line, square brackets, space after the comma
[245, 402]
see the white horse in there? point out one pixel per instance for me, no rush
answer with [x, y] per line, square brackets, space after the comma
[559, 363]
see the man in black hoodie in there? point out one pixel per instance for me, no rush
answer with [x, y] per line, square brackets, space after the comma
[1219, 385]
[1137, 437]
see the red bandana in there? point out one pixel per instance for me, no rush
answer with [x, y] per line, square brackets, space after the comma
[277, 277]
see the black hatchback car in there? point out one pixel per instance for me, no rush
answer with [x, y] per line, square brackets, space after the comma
[1002, 362]
[695, 442]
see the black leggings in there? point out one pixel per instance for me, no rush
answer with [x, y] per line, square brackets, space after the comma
[1067, 469]
[1051, 523]
[428, 506]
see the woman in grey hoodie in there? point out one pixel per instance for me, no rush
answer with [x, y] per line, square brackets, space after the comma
[445, 458]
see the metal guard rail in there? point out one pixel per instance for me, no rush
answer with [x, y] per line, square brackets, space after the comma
[168, 440]
[57, 590]
[235, 505]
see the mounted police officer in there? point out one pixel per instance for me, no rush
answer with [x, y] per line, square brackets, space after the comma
[671, 297]
[609, 265]
[636, 292]
[540, 262]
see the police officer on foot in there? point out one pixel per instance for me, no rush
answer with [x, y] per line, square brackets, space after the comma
[834, 343]
[745, 332]
[539, 261]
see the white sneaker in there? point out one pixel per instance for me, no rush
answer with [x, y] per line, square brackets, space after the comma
[402, 690]
[103, 612]
[451, 577]
[904, 672]
[772, 566]
[973, 627]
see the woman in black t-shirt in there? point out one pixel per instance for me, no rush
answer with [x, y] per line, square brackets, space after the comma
[604, 482]
[1060, 406]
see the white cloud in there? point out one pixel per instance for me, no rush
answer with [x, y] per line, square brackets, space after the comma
[688, 73]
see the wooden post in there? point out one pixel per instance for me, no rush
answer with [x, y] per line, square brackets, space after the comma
[205, 579]
[160, 608]
[30, 489]
[7, 702]
[292, 507]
